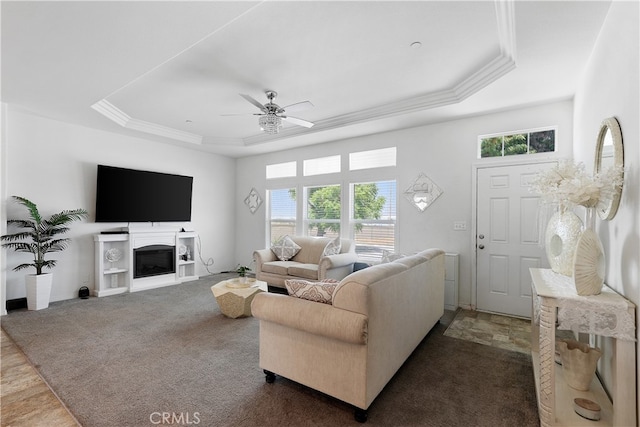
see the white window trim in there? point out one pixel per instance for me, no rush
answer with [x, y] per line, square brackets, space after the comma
[345, 178]
[515, 132]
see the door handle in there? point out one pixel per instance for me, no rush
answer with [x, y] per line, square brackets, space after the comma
[480, 246]
[481, 236]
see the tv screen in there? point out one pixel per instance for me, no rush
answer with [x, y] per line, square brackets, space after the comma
[129, 195]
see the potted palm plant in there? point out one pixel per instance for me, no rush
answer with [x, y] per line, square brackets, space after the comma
[39, 237]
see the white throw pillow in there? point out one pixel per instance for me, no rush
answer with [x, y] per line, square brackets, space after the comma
[285, 248]
[333, 247]
[388, 256]
[313, 291]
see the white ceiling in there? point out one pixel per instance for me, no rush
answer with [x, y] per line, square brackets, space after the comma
[170, 71]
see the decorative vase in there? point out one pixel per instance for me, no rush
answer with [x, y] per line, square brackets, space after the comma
[561, 239]
[588, 262]
[38, 290]
[578, 363]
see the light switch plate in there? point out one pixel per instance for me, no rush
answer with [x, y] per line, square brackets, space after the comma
[460, 225]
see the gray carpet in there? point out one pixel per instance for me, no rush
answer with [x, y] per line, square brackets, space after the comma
[125, 360]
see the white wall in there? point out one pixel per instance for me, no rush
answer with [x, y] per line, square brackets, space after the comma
[3, 207]
[609, 87]
[54, 165]
[445, 152]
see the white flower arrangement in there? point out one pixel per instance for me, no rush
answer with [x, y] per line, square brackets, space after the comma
[568, 185]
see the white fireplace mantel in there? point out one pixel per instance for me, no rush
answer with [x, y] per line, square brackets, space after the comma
[117, 277]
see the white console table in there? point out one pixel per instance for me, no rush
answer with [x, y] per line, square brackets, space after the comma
[607, 314]
[118, 277]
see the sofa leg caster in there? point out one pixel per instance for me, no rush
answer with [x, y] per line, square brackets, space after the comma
[360, 415]
[270, 377]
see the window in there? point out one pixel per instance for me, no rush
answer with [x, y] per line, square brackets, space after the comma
[509, 144]
[281, 170]
[323, 199]
[372, 159]
[322, 165]
[323, 207]
[282, 213]
[373, 218]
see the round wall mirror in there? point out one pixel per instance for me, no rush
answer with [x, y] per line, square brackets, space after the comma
[609, 152]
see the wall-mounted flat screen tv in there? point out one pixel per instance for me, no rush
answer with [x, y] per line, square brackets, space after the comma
[129, 195]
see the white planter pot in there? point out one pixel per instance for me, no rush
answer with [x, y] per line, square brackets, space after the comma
[38, 290]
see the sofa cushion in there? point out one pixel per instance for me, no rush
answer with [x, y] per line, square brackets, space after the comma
[308, 271]
[313, 291]
[311, 248]
[333, 247]
[278, 267]
[285, 248]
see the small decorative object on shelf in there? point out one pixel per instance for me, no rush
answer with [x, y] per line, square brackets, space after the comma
[182, 252]
[113, 255]
[578, 363]
[587, 408]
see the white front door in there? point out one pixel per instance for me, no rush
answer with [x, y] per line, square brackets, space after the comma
[507, 238]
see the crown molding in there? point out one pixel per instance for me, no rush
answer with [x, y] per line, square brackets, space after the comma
[483, 77]
[115, 114]
[502, 64]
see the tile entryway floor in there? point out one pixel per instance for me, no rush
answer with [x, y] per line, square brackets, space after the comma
[495, 330]
[26, 400]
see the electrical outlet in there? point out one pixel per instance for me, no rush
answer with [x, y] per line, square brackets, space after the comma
[460, 225]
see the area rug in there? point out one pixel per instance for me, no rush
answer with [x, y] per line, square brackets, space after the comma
[494, 330]
[169, 354]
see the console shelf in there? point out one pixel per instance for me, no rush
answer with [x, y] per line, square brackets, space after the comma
[553, 293]
[112, 278]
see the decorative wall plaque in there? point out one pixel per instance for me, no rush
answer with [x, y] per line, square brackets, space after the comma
[422, 192]
[253, 200]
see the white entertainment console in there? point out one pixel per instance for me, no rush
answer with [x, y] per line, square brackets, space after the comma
[119, 276]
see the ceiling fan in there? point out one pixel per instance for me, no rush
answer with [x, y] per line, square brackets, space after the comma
[272, 114]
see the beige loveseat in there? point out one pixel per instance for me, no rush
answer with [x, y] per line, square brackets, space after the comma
[308, 264]
[351, 348]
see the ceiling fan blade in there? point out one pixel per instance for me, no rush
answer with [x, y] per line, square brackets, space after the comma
[299, 106]
[297, 121]
[253, 101]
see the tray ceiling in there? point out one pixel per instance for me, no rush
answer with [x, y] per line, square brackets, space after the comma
[173, 71]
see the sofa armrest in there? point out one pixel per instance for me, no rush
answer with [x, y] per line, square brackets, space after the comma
[261, 256]
[313, 317]
[334, 261]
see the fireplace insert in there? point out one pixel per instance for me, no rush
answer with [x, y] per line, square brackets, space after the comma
[154, 260]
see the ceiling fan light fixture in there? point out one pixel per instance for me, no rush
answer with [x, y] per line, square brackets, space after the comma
[270, 123]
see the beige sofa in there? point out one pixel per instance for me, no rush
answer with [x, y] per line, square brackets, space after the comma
[308, 264]
[351, 348]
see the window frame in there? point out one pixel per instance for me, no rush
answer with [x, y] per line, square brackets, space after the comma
[517, 132]
[346, 178]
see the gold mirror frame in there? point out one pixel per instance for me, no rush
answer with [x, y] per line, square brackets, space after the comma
[609, 157]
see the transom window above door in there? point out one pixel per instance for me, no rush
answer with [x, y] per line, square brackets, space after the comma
[532, 141]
